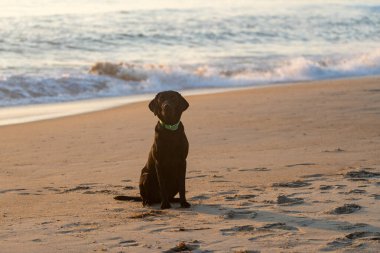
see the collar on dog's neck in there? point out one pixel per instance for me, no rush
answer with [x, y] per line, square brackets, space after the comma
[170, 127]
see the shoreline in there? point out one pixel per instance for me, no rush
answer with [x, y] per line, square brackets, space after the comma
[37, 112]
[282, 169]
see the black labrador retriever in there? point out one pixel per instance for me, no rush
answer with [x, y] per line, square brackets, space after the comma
[164, 173]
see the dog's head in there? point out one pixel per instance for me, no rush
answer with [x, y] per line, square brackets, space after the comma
[168, 106]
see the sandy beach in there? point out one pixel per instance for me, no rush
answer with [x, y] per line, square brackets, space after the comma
[291, 168]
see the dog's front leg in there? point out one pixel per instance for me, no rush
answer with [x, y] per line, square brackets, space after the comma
[163, 188]
[182, 186]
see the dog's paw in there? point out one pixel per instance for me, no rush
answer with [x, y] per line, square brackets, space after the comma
[165, 205]
[185, 204]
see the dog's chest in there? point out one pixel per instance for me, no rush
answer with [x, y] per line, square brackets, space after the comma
[174, 147]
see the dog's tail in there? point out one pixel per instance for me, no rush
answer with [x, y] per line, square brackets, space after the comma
[128, 198]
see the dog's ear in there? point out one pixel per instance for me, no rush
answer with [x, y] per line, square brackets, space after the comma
[153, 106]
[183, 103]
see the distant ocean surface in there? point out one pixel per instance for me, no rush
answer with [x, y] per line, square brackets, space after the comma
[54, 51]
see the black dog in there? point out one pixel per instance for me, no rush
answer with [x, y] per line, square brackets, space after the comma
[164, 174]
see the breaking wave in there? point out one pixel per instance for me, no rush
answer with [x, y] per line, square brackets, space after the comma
[107, 79]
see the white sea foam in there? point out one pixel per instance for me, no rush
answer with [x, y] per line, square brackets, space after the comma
[123, 79]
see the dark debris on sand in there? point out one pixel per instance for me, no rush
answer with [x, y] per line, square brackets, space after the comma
[182, 247]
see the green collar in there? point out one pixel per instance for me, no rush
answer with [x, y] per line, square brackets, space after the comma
[170, 127]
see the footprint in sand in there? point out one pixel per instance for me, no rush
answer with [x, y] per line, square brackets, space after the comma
[286, 201]
[337, 150]
[12, 190]
[362, 174]
[88, 188]
[240, 197]
[356, 242]
[104, 191]
[326, 187]
[128, 243]
[245, 229]
[300, 164]
[357, 191]
[78, 227]
[346, 209]
[237, 229]
[49, 188]
[77, 188]
[294, 184]
[177, 229]
[313, 176]
[200, 197]
[147, 214]
[220, 181]
[350, 226]
[227, 192]
[229, 169]
[278, 225]
[198, 176]
[231, 214]
[255, 169]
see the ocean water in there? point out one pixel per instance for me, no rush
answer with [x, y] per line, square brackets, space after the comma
[54, 51]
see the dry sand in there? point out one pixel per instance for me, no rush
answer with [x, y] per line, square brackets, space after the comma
[270, 170]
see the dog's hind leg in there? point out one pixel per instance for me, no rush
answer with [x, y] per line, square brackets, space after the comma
[149, 189]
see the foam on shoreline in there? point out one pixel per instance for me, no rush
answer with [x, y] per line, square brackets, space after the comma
[31, 113]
